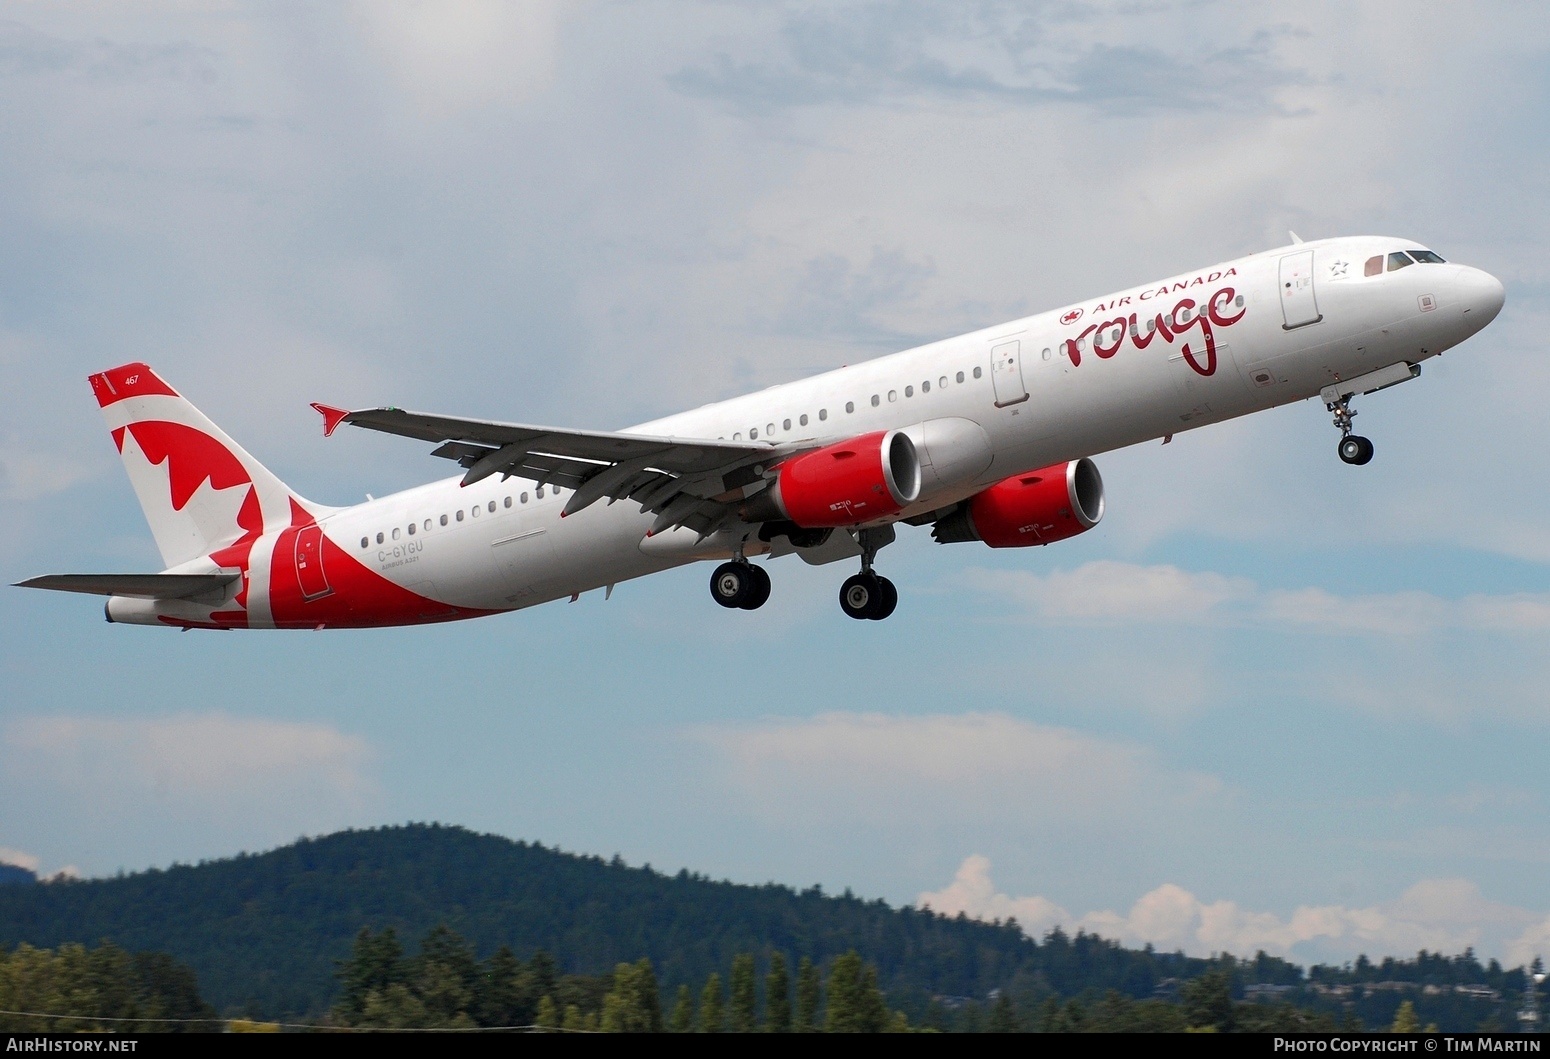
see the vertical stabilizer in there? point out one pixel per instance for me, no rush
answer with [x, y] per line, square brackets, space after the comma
[202, 492]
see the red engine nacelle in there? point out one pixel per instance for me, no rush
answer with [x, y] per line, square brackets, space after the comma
[1039, 507]
[846, 484]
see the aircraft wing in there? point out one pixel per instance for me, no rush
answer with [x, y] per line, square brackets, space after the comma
[142, 586]
[687, 481]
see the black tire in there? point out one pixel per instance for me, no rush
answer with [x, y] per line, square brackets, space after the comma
[887, 599]
[759, 591]
[731, 584]
[1355, 450]
[860, 595]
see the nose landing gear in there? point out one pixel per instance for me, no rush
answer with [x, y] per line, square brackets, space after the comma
[1353, 448]
[867, 595]
[739, 585]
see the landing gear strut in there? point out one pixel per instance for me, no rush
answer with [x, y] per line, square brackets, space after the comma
[868, 595]
[1354, 449]
[739, 585]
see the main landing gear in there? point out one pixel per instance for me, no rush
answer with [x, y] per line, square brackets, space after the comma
[867, 595]
[740, 585]
[1354, 449]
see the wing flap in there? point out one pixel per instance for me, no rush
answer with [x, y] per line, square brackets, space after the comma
[656, 472]
[140, 586]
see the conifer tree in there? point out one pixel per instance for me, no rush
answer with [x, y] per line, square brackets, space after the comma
[1405, 1020]
[634, 1004]
[847, 996]
[777, 995]
[809, 996]
[744, 998]
[713, 1017]
[548, 1016]
[682, 1020]
[1002, 1018]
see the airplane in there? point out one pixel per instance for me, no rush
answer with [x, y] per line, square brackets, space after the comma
[985, 437]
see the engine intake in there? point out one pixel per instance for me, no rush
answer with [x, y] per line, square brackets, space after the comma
[845, 484]
[1039, 507]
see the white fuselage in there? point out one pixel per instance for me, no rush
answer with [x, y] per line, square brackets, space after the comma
[1093, 384]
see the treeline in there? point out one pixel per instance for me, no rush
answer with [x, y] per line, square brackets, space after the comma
[104, 988]
[1428, 968]
[446, 986]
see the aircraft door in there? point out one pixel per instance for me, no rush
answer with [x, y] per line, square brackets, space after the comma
[1006, 372]
[1299, 304]
[525, 558]
[309, 563]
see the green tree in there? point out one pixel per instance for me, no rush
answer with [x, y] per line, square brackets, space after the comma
[394, 1008]
[713, 1018]
[744, 998]
[855, 1003]
[1002, 1018]
[634, 1003]
[682, 1020]
[445, 975]
[376, 962]
[1208, 1001]
[1405, 1020]
[498, 1000]
[547, 1016]
[777, 995]
[809, 996]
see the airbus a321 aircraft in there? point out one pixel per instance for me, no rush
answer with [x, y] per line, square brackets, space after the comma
[986, 437]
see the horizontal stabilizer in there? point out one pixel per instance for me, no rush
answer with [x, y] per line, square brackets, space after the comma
[140, 586]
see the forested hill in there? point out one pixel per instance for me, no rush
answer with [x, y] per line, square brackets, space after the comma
[263, 931]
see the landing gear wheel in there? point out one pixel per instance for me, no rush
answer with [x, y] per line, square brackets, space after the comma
[888, 599]
[759, 591]
[732, 585]
[860, 595]
[1355, 450]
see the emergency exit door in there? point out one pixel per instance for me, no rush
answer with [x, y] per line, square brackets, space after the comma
[1006, 372]
[309, 562]
[1299, 303]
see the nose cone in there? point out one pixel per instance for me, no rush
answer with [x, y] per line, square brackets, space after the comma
[1481, 297]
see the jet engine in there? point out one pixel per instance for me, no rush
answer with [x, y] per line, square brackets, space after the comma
[1039, 507]
[845, 484]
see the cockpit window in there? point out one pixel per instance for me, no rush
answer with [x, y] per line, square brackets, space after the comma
[1374, 266]
[1398, 260]
[1427, 257]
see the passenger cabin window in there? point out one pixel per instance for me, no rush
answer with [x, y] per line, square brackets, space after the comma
[876, 400]
[893, 395]
[508, 501]
[1374, 266]
[1426, 257]
[785, 424]
[1398, 260]
[1045, 354]
[444, 520]
[491, 507]
[909, 391]
[823, 414]
[365, 542]
[803, 420]
[753, 434]
[379, 538]
[460, 514]
[977, 373]
[411, 529]
[474, 511]
[524, 498]
[395, 533]
[941, 383]
[769, 428]
[427, 525]
[850, 406]
[925, 387]
[539, 492]
[960, 376]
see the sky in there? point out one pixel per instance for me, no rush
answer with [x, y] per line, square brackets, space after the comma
[1270, 702]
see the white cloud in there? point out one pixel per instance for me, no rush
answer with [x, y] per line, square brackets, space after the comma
[1110, 592]
[451, 54]
[18, 858]
[941, 768]
[209, 755]
[1441, 915]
